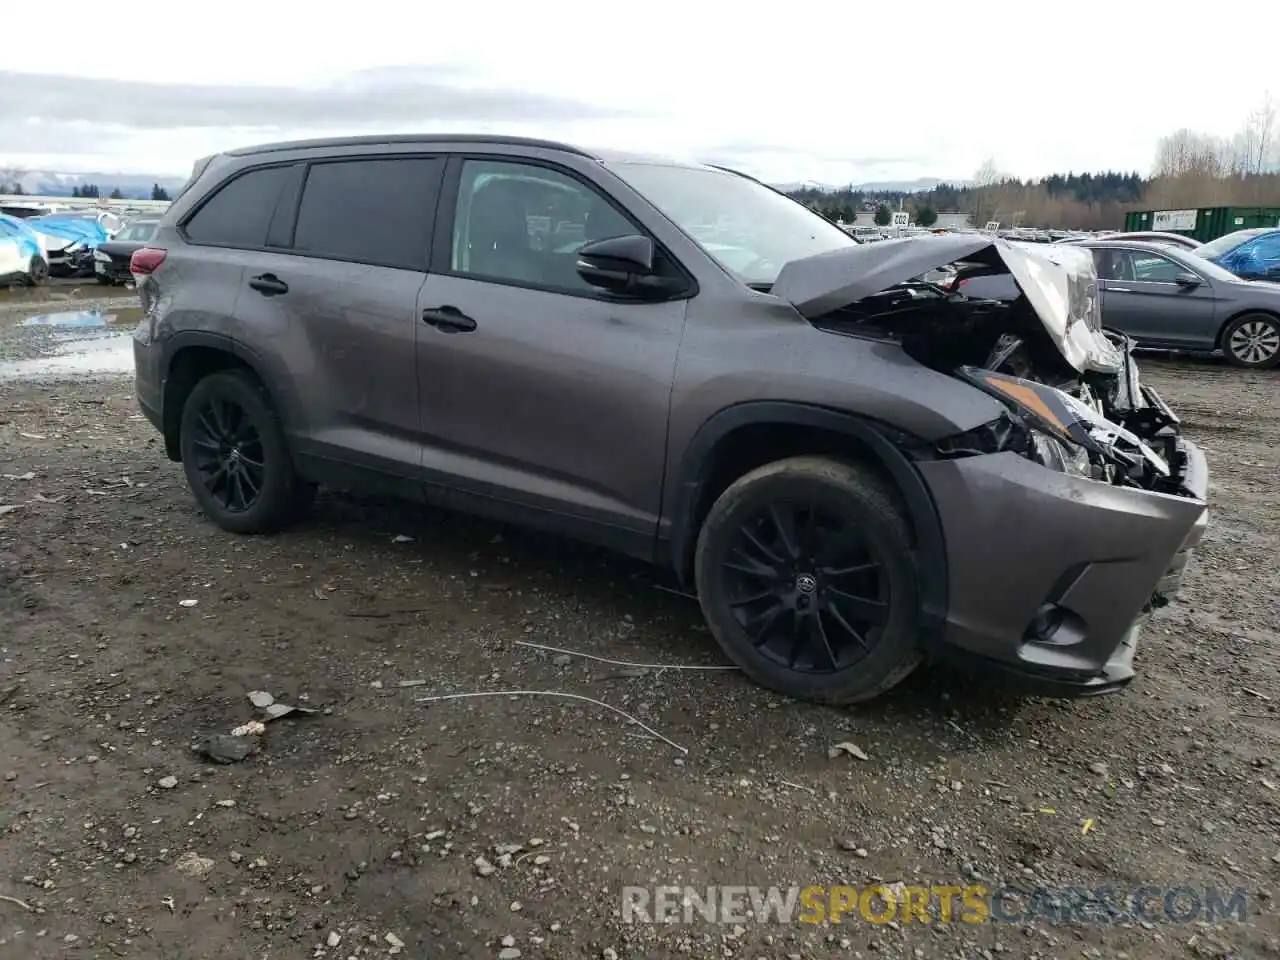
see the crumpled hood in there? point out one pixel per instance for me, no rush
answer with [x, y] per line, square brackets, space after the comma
[1058, 280]
[65, 231]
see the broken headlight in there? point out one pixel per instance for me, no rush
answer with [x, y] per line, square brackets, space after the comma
[1069, 421]
[1074, 426]
[1053, 453]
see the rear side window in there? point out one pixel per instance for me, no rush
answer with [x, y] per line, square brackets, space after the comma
[378, 211]
[238, 214]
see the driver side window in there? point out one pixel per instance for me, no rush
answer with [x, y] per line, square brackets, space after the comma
[1153, 268]
[522, 223]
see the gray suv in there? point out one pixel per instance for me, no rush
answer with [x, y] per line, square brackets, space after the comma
[857, 470]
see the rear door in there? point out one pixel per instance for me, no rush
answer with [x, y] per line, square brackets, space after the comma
[539, 392]
[328, 305]
[1142, 298]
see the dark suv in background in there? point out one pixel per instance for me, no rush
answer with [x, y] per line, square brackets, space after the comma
[854, 469]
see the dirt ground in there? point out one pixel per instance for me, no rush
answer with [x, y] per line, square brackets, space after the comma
[131, 629]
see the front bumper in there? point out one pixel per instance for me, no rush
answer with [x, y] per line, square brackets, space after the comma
[112, 270]
[1022, 540]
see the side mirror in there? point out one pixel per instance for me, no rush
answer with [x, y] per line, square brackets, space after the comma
[625, 266]
[1188, 280]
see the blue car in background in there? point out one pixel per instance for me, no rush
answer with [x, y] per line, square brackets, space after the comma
[22, 255]
[1249, 254]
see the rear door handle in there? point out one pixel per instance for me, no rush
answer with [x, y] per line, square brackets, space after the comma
[1118, 290]
[448, 320]
[269, 285]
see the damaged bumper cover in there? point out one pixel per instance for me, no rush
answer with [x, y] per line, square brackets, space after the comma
[1085, 526]
[1078, 563]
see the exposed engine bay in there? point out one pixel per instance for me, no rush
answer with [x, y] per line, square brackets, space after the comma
[1074, 397]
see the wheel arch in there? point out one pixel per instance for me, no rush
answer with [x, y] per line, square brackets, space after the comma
[745, 436]
[192, 355]
[1244, 312]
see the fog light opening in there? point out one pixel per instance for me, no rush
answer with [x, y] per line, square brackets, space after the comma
[1054, 624]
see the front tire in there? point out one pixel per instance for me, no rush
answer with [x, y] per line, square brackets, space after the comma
[807, 577]
[1252, 340]
[235, 456]
[37, 272]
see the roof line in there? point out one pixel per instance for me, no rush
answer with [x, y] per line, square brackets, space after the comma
[376, 140]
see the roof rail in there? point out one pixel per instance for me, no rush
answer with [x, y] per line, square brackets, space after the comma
[375, 140]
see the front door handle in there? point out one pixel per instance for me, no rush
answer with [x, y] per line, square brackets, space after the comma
[448, 320]
[269, 285]
[1118, 290]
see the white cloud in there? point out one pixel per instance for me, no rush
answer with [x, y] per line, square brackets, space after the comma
[811, 89]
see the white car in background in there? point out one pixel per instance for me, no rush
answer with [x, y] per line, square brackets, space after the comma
[23, 258]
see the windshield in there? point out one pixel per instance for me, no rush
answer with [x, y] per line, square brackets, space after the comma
[1216, 248]
[141, 230]
[744, 226]
[1196, 260]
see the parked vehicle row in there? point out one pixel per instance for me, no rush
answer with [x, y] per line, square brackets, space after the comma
[854, 470]
[71, 243]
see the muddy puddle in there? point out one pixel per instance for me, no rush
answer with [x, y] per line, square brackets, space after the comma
[60, 343]
[113, 355]
[77, 320]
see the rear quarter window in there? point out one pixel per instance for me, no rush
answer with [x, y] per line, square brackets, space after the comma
[239, 213]
[379, 211]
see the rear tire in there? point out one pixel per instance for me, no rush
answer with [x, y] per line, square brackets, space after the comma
[829, 609]
[235, 455]
[1252, 340]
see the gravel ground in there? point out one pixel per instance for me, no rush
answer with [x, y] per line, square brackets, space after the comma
[131, 630]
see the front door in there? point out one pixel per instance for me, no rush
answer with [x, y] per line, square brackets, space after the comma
[1142, 298]
[539, 392]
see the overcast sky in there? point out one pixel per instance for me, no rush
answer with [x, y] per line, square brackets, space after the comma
[832, 91]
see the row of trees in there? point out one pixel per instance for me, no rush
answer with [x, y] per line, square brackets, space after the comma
[1190, 170]
[11, 184]
[93, 191]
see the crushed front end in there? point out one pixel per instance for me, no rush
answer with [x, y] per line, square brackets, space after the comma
[1073, 514]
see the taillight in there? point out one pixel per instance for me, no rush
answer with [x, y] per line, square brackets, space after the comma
[959, 286]
[147, 260]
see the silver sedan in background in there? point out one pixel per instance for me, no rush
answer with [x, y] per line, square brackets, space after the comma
[1169, 298]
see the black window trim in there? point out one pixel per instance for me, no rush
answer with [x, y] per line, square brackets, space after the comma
[447, 210]
[222, 185]
[297, 183]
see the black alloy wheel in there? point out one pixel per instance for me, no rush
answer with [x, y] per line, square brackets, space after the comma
[235, 455]
[228, 454]
[806, 586]
[807, 576]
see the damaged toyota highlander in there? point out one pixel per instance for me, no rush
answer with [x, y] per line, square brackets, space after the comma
[856, 470]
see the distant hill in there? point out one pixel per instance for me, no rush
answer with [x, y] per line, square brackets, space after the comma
[136, 186]
[922, 185]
